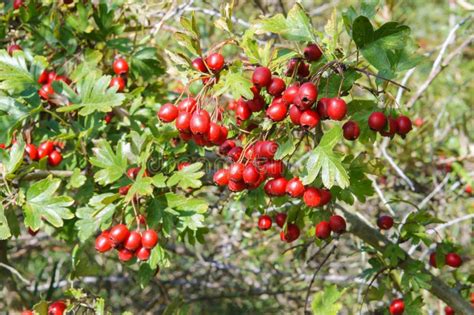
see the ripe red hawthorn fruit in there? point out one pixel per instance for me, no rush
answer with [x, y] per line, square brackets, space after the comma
[351, 130]
[120, 66]
[118, 234]
[448, 310]
[309, 119]
[303, 69]
[256, 104]
[46, 91]
[125, 255]
[295, 187]
[265, 149]
[291, 92]
[292, 233]
[325, 196]
[322, 108]
[323, 230]
[276, 87]
[124, 190]
[293, 65]
[43, 78]
[149, 239]
[276, 187]
[17, 4]
[103, 243]
[235, 153]
[243, 112]
[133, 241]
[250, 174]
[55, 158]
[295, 114]
[200, 122]
[32, 151]
[167, 113]
[187, 105]
[183, 165]
[182, 122]
[312, 52]
[57, 308]
[132, 172]
[433, 260]
[221, 177]
[307, 95]
[418, 122]
[403, 125]
[45, 148]
[337, 108]
[397, 307]
[377, 121]
[280, 219]
[468, 189]
[264, 222]
[119, 82]
[312, 197]
[199, 65]
[236, 171]
[27, 312]
[214, 132]
[385, 222]
[236, 186]
[108, 117]
[226, 146]
[52, 76]
[12, 48]
[274, 169]
[261, 77]
[143, 253]
[337, 224]
[277, 111]
[453, 260]
[215, 62]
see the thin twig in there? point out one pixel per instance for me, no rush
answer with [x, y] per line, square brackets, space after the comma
[16, 273]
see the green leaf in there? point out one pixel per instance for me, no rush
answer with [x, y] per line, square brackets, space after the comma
[233, 81]
[413, 279]
[4, 227]
[41, 307]
[159, 180]
[99, 306]
[77, 179]
[332, 29]
[96, 216]
[142, 186]
[145, 64]
[12, 113]
[13, 160]
[250, 46]
[285, 149]
[323, 160]
[95, 96]
[14, 74]
[326, 302]
[90, 64]
[112, 165]
[188, 177]
[41, 202]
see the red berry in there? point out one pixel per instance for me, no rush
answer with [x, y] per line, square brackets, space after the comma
[292, 66]
[256, 104]
[323, 230]
[337, 224]
[17, 4]
[261, 77]
[119, 82]
[199, 65]
[102, 244]
[27, 312]
[200, 122]
[243, 112]
[57, 308]
[266, 149]
[183, 165]
[418, 122]
[120, 66]
[214, 132]
[277, 112]
[276, 87]
[312, 197]
[312, 52]
[12, 48]
[168, 113]
[403, 125]
[250, 174]
[236, 171]
[276, 187]
[397, 307]
[32, 151]
[264, 222]
[292, 233]
[448, 310]
[221, 177]
[322, 107]
[309, 119]
[149, 239]
[337, 108]
[225, 147]
[377, 121]
[143, 254]
[43, 78]
[52, 76]
[236, 186]
[183, 121]
[468, 189]
[274, 169]
[133, 241]
[280, 219]
[351, 130]
[290, 93]
[55, 158]
[433, 260]
[235, 153]
[295, 114]
[307, 95]
[125, 255]
[385, 222]
[46, 91]
[325, 196]
[124, 190]
[108, 117]
[303, 69]
[187, 105]
[453, 260]
[295, 187]
[215, 62]
[119, 233]
[32, 233]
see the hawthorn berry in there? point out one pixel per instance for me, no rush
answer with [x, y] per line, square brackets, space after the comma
[199, 65]
[453, 260]
[432, 260]
[323, 230]
[124, 190]
[392, 128]
[149, 239]
[337, 224]
[57, 308]
[309, 119]
[292, 233]
[215, 62]
[168, 113]
[12, 48]
[236, 186]
[187, 105]
[377, 121]
[468, 189]
[307, 95]
[17, 4]
[52, 76]
[312, 52]
[295, 187]
[119, 233]
[337, 108]
[403, 125]
[214, 132]
[235, 153]
[448, 310]
[325, 196]
[55, 158]
[264, 222]
[120, 66]
[397, 307]
[261, 77]
[45, 148]
[280, 219]
[312, 197]
[295, 114]
[290, 93]
[385, 222]
[221, 177]
[276, 186]
[418, 122]
[27, 312]
[256, 104]
[108, 117]
[250, 174]
[199, 123]
[243, 112]
[143, 253]
[277, 112]
[102, 244]
[43, 78]
[303, 69]
[119, 82]
[274, 169]
[236, 171]
[46, 91]
[276, 87]
[265, 149]
[322, 108]
[124, 254]
[183, 121]
[32, 151]
[183, 165]
[132, 172]
[133, 241]
[351, 130]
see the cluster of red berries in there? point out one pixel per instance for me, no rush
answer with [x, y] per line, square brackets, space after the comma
[48, 149]
[120, 67]
[450, 259]
[390, 126]
[55, 308]
[129, 244]
[213, 63]
[46, 78]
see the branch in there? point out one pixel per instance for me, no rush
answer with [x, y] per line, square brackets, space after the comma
[15, 272]
[437, 287]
